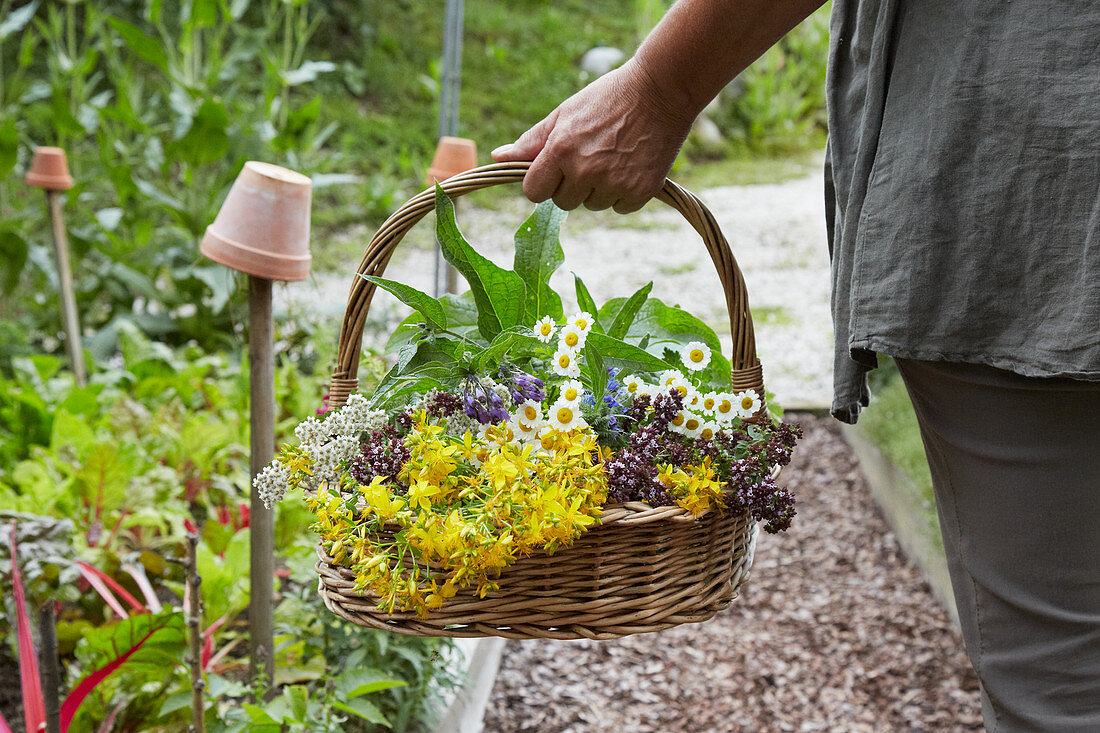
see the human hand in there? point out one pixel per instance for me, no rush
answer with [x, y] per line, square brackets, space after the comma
[609, 145]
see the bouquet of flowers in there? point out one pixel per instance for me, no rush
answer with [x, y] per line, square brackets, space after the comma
[505, 427]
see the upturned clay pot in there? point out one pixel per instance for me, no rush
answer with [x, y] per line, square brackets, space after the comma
[453, 155]
[262, 227]
[49, 170]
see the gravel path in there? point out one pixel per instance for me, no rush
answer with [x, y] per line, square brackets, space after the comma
[836, 631]
[777, 233]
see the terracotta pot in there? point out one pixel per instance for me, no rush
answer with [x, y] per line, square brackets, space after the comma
[453, 155]
[49, 170]
[263, 226]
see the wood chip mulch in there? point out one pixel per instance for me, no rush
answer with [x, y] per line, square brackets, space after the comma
[836, 631]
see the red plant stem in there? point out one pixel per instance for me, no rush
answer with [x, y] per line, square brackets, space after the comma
[34, 708]
[118, 525]
[86, 685]
[114, 584]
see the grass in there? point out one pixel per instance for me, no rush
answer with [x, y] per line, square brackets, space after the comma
[890, 423]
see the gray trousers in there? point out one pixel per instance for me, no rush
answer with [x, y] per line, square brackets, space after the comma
[1016, 469]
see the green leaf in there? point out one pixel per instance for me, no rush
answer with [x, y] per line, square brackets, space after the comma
[498, 293]
[504, 342]
[297, 698]
[356, 682]
[626, 314]
[623, 355]
[175, 701]
[538, 255]
[141, 43]
[13, 251]
[584, 300]
[597, 372]
[664, 323]
[206, 139]
[364, 709]
[9, 146]
[426, 305]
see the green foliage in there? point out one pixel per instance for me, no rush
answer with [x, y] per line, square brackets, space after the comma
[158, 108]
[490, 326]
[777, 105]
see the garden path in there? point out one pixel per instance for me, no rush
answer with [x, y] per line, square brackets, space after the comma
[835, 631]
[776, 231]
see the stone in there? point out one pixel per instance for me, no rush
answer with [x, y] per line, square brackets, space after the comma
[601, 59]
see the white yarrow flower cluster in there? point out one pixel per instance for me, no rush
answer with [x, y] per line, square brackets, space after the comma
[272, 483]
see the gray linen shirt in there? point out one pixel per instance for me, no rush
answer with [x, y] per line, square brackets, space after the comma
[963, 186]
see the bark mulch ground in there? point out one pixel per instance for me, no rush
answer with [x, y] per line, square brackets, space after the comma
[836, 631]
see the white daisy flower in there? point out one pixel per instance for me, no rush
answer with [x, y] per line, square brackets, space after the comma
[565, 417]
[695, 356]
[633, 384]
[571, 392]
[571, 337]
[670, 377]
[582, 320]
[709, 430]
[725, 407]
[565, 363]
[710, 402]
[676, 424]
[530, 412]
[544, 329]
[526, 430]
[693, 424]
[693, 400]
[748, 403]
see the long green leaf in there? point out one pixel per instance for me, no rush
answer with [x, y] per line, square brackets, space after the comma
[626, 314]
[623, 355]
[585, 301]
[141, 43]
[538, 255]
[597, 372]
[499, 293]
[426, 305]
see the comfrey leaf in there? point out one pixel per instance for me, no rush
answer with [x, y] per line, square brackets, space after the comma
[426, 305]
[499, 293]
[538, 255]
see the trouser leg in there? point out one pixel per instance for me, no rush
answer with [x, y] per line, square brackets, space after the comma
[1016, 470]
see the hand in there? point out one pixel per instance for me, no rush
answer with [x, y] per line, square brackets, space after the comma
[609, 145]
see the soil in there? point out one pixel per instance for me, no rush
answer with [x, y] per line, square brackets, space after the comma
[836, 631]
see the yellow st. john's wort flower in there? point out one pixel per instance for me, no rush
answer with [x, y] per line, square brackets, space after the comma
[379, 500]
[296, 459]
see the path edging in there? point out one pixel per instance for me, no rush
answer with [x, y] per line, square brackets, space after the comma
[904, 509]
[466, 712]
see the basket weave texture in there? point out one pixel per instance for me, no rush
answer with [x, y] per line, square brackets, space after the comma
[640, 568]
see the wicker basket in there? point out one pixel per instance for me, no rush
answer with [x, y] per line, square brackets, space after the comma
[640, 568]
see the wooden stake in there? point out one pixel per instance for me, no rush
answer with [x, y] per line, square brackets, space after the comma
[65, 282]
[194, 627]
[51, 668]
[261, 337]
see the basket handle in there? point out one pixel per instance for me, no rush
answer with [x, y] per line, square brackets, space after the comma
[746, 372]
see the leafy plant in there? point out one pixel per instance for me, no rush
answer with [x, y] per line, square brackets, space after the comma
[128, 641]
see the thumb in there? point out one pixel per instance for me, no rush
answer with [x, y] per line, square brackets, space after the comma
[529, 144]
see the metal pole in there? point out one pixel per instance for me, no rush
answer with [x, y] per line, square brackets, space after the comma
[65, 284]
[446, 278]
[261, 336]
